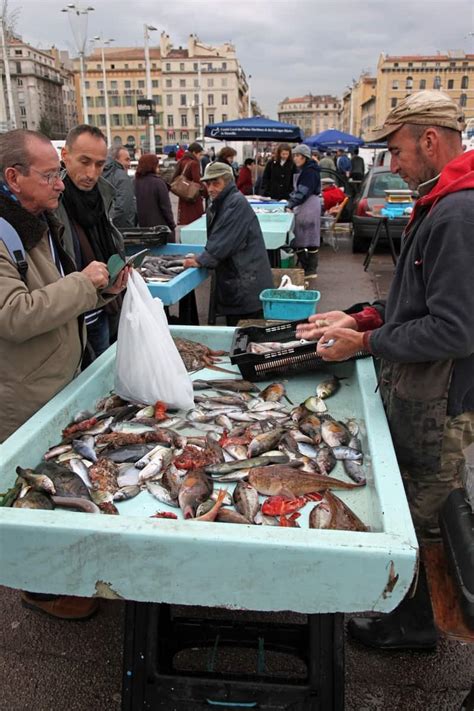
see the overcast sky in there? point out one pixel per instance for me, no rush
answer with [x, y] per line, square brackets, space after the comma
[290, 47]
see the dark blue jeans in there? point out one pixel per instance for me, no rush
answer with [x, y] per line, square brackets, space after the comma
[98, 334]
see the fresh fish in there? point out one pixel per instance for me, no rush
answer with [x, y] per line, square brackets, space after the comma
[147, 411]
[131, 427]
[287, 481]
[328, 387]
[160, 492]
[66, 482]
[196, 488]
[308, 450]
[216, 403]
[332, 513]
[199, 415]
[298, 413]
[204, 507]
[225, 384]
[127, 476]
[273, 392]
[101, 427]
[83, 415]
[76, 503]
[315, 404]
[231, 516]
[238, 475]
[355, 443]
[55, 452]
[206, 427]
[262, 520]
[38, 482]
[343, 452]
[312, 426]
[103, 475]
[224, 421]
[109, 402]
[101, 497]
[259, 405]
[246, 500]
[80, 468]
[213, 512]
[172, 423]
[226, 499]
[227, 467]
[84, 450]
[34, 500]
[158, 463]
[146, 459]
[130, 454]
[334, 433]
[325, 459]
[264, 442]
[126, 492]
[236, 451]
[353, 427]
[354, 470]
[173, 478]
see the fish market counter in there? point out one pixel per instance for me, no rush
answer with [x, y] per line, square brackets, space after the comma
[179, 289]
[276, 229]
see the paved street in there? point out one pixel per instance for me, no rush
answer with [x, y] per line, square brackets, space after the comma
[47, 665]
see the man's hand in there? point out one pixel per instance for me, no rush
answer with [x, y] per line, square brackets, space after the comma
[346, 344]
[190, 262]
[97, 273]
[318, 324]
[120, 283]
[288, 209]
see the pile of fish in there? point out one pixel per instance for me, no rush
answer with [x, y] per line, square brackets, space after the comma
[247, 457]
[163, 267]
[197, 356]
[275, 346]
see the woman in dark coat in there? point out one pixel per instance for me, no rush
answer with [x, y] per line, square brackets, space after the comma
[305, 202]
[190, 167]
[277, 180]
[151, 192]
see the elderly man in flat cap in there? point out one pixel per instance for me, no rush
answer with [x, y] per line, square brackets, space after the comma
[234, 248]
[423, 336]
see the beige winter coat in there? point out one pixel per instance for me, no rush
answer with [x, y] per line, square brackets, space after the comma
[42, 333]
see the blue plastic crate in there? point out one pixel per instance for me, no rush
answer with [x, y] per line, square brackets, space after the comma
[289, 304]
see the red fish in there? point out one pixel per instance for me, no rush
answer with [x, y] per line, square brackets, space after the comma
[164, 514]
[282, 505]
[160, 411]
[290, 521]
[79, 427]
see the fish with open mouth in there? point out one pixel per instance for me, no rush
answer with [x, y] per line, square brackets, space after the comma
[195, 489]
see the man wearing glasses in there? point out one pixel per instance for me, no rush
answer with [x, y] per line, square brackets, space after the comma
[42, 299]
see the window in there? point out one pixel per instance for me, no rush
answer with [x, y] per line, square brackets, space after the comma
[422, 83]
[224, 117]
[182, 100]
[170, 121]
[90, 101]
[184, 121]
[101, 120]
[209, 67]
[182, 83]
[211, 118]
[98, 66]
[196, 119]
[437, 82]
[155, 83]
[224, 66]
[115, 101]
[409, 83]
[87, 85]
[22, 111]
[100, 101]
[168, 67]
[395, 84]
[169, 99]
[465, 82]
[153, 66]
[393, 103]
[450, 83]
[463, 100]
[223, 82]
[196, 99]
[210, 99]
[181, 67]
[395, 64]
[127, 84]
[100, 84]
[410, 64]
[195, 66]
[224, 99]
[115, 119]
[141, 83]
[128, 100]
[196, 83]
[157, 99]
[24, 124]
[125, 66]
[169, 83]
[129, 119]
[114, 84]
[18, 52]
[210, 83]
[19, 81]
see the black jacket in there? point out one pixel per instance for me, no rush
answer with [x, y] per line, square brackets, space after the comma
[236, 250]
[277, 180]
[309, 183]
[124, 210]
[153, 202]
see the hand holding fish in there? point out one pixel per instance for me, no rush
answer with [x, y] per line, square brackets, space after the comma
[346, 343]
[190, 262]
[318, 324]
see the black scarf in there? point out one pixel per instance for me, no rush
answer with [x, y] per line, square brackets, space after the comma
[86, 208]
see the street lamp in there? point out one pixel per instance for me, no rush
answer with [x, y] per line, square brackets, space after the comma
[151, 118]
[104, 42]
[78, 16]
[250, 97]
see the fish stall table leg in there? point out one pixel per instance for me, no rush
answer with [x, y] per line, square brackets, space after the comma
[155, 636]
[188, 313]
[275, 258]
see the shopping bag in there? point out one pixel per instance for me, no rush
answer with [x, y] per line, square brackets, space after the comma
[148, 366]
[185, 189]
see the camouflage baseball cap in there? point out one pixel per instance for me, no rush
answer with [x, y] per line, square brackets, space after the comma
[424, 108]
[216, 170]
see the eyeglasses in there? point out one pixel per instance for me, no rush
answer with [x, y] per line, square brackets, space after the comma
[50, 178]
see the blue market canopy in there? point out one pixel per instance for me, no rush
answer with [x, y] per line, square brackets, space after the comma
[256, 128]
[332, 140]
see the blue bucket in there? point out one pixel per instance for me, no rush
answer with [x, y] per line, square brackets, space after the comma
[289, 304]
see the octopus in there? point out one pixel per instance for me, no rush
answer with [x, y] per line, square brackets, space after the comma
[196, 355]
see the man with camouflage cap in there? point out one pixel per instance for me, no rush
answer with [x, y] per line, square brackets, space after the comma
[423, 335]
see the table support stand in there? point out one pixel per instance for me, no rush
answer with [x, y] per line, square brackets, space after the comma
[382, 224]
[172, 661]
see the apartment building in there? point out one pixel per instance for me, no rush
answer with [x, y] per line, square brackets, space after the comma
[312, 113]
[191, 87]
[37, 90]
[353, 98]
[63, 62]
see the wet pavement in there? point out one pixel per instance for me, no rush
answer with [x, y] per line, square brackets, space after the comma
[49, 665]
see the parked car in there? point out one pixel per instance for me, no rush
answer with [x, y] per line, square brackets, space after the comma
[372, 197]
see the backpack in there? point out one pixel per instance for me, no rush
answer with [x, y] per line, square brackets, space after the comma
[11, 239]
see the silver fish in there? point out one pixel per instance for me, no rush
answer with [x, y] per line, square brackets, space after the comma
[147, 411]
[238, 475]
[126, 492]
[128, 475]
[328, 387]
[146, 459]
[159, 461]
[227, 467]
[354, 470]
[54, 452]
[38, 482]
[236, 451]
[334, 433]
[224, 422]
[325, 459]
[343, 452]
[161, 493]
[100, 427]
[80, 468]
[246, 500]
[315, 404]
[263, 520]
[264, 442]
[84, 449]
[131, 427]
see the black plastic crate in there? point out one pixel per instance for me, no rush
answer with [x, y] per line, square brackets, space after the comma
[260, 366]
[146, 236]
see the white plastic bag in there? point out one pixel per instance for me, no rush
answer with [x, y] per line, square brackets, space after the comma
[286, 283]
[148, 366]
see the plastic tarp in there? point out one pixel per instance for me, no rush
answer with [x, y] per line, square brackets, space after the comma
[333, 139]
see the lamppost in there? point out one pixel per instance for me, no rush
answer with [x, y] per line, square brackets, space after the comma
[151, 118]
[6, 64]
[250, 97]
[104, 81]
[78, 20]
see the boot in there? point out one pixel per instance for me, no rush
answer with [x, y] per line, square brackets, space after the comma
[63, 607]
[312, 263]
[302, 257]
[409, 626]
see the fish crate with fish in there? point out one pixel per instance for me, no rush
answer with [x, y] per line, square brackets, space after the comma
[145, 236]
[261, 352]
[275, 463]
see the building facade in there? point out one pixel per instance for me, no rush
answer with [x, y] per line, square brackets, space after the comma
[37, 90]
[64, 64]
[353, 98]
[311, 113]
[191, 87]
